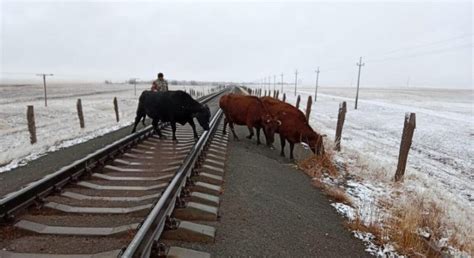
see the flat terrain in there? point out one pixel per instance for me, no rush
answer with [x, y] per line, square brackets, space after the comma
[57, 126]
[269, 208]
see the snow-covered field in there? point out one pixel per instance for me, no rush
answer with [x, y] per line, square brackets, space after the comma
[440, 163]
[58, 124]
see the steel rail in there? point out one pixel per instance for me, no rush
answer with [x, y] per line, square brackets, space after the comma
[152, 227]
[35, 192]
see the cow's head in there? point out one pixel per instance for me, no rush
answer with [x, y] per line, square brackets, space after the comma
[315, 142]
[203, 116]
[270, 126]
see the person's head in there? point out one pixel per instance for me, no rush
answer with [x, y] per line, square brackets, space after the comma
[160, 76]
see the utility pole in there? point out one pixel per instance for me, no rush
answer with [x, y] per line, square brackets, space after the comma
[134, 81]
[360, 64]
[44, 84]
[296, 79]
[317, 80]
[281, 83]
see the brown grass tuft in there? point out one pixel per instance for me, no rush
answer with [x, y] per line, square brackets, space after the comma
[316, 166]
[375, 229]
[337, 194]
[410, 217]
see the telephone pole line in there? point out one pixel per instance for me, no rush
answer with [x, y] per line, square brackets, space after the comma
[360, 64]
[317, 81]
[296, 79]
[281, 83]
[44, 84]
[134, 81]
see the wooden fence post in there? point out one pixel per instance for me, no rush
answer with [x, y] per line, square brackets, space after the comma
[116, 109]
[308, 107]
[79, 113]
[30, 117]
[408, 129]
[298, 102]
[284, 97]
[340, 123]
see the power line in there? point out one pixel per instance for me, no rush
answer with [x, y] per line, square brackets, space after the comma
[429, 43]
[435, 51]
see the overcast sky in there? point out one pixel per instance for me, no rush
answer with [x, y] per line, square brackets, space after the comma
[428, 43]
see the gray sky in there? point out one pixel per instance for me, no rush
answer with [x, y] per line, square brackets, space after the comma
[429, 43]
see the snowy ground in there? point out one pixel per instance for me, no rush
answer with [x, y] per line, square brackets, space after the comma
[440, 164]
[58, 125]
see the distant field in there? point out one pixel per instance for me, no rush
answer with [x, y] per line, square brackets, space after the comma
[443, 143]
[440, 166]
[58, 124]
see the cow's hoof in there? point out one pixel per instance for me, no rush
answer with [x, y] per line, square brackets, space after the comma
[258, 143]
[249, 137]
[282, 155]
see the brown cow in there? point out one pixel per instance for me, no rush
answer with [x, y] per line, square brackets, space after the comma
[294, 128]
[249, 111]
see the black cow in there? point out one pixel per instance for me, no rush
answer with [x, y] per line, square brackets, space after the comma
[172, 106]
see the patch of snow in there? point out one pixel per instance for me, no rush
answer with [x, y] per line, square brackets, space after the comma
[440, 163]
[345, 210]
[57, 126]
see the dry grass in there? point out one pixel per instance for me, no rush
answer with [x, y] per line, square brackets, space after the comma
[337, 194]
[408, 216]
[375, 229]
[412, 216]
[316, 166]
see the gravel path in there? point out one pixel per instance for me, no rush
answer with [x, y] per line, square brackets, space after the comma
[269, 209]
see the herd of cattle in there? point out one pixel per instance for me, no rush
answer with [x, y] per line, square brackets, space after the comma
[266, 113]
[273, 116]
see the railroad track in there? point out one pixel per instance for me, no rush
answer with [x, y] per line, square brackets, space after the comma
[124, 200]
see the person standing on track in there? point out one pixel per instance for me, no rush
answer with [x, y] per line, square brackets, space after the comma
[160, 84]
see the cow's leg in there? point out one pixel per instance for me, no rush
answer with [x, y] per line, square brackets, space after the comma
[231, 125]
[191, 123]
[258, 135]
[282, 142]
[250, 132]
[292, 146]
[137, 120]
[143, 121]
[225, 125]
[140, 113]
[157, 128]
[173, 127]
